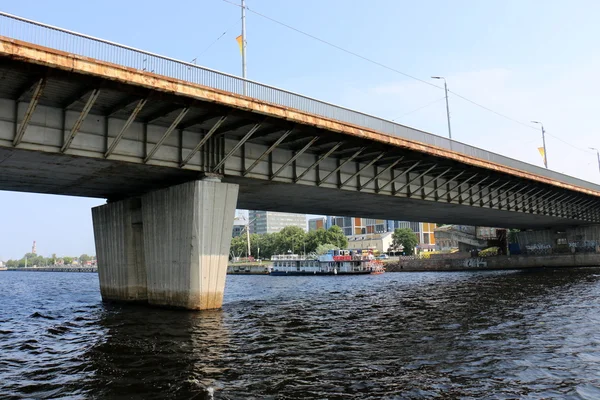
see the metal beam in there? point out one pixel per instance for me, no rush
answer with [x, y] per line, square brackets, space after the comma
[84, 113]
[489, 203]
[320, 159]
[490, 191]
[394, 179]
[165, 135]
[237, 146]
[203, 140]
[446, 183]
[70, 102]
[268, 151]
[122, 105]
[414, 179]
[291, 160]
[460, 194]
[373, 161]
[37, 94]
[383, 171]
[163, 112]
[433, 179]
[480, 190]
[126, 126]
[352, 157]
[457, 185]
[29, 86]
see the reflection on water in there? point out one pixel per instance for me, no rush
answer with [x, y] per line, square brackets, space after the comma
[403, 335]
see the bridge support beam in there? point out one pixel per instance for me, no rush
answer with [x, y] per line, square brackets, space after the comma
[186, 231]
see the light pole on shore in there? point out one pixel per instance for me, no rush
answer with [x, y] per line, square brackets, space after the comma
[598, 155]
[447, 105]
[543, 142]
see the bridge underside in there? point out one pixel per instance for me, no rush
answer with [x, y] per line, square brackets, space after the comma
[52, 173]
[72, 133]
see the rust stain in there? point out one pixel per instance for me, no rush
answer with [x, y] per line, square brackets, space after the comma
[35, 54]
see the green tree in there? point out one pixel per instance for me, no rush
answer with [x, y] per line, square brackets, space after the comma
[314, 239]
[290, 238]
[84, 258]
[335, 236]
[239, 246]
[68, 260]
[12, 264]
[406, 238]
[324, 248]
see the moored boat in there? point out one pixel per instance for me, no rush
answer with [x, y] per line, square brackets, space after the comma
[334, 262]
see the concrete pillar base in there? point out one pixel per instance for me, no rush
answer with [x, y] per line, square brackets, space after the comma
[186, 231]
[118, 234]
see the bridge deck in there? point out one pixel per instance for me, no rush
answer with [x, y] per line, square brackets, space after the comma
[92, 128]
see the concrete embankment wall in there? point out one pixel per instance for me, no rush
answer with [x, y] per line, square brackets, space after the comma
[497, 262]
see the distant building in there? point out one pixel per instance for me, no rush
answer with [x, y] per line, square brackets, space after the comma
[238, 228]
[317, 223]
[360, 226]
[262, 222]
[380, 242]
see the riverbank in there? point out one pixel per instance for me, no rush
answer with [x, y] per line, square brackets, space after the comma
[496, 263]
[56, 269]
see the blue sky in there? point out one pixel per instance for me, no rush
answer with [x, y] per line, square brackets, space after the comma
[528, 60]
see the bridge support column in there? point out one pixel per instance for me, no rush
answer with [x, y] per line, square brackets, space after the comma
[169, 248]
[118, 233]
[187, 234]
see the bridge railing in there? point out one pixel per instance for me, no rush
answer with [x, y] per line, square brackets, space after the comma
[83, 45]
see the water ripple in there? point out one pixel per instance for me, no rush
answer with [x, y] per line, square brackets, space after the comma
[502, 335]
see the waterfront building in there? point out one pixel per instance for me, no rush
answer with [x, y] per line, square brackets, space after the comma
[361, 226]
[378, 242]
[262, 222]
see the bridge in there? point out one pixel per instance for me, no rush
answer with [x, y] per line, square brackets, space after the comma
[175, 148]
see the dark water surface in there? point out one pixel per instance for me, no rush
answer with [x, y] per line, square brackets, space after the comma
[465, 335]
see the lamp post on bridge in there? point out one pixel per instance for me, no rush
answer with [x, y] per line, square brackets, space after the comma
[447, 105]
[544, 142]
[597, 154]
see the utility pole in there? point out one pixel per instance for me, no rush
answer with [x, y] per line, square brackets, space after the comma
[447, 104]
[543, 142]
[597, 154]
[244, 43]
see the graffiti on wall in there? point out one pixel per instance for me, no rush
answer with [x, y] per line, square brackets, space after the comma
[476, 262]
[581, 246]
[538, 248]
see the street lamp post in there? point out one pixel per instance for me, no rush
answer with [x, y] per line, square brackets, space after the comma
[447, 105]
[597, 154]
[544, 143]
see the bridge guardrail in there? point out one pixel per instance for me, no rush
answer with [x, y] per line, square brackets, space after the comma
[84, 45]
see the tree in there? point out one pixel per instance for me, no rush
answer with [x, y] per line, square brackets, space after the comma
[406, 238]
[68, 260]
[290, 238]
[324, 248]
[12, 264]
[335, 236]
[314, 239]
[84, 258]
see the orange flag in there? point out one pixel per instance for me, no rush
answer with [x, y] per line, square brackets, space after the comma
[240, 43]
[542, 153]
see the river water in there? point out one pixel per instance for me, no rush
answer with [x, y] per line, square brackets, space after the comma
[467, 335]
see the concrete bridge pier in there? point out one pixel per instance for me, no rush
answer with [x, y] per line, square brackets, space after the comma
[168, 248]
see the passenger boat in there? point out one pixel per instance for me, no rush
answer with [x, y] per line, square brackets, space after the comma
[334, 262]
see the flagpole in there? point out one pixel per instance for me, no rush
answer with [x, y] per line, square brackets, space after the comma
[244, 42]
